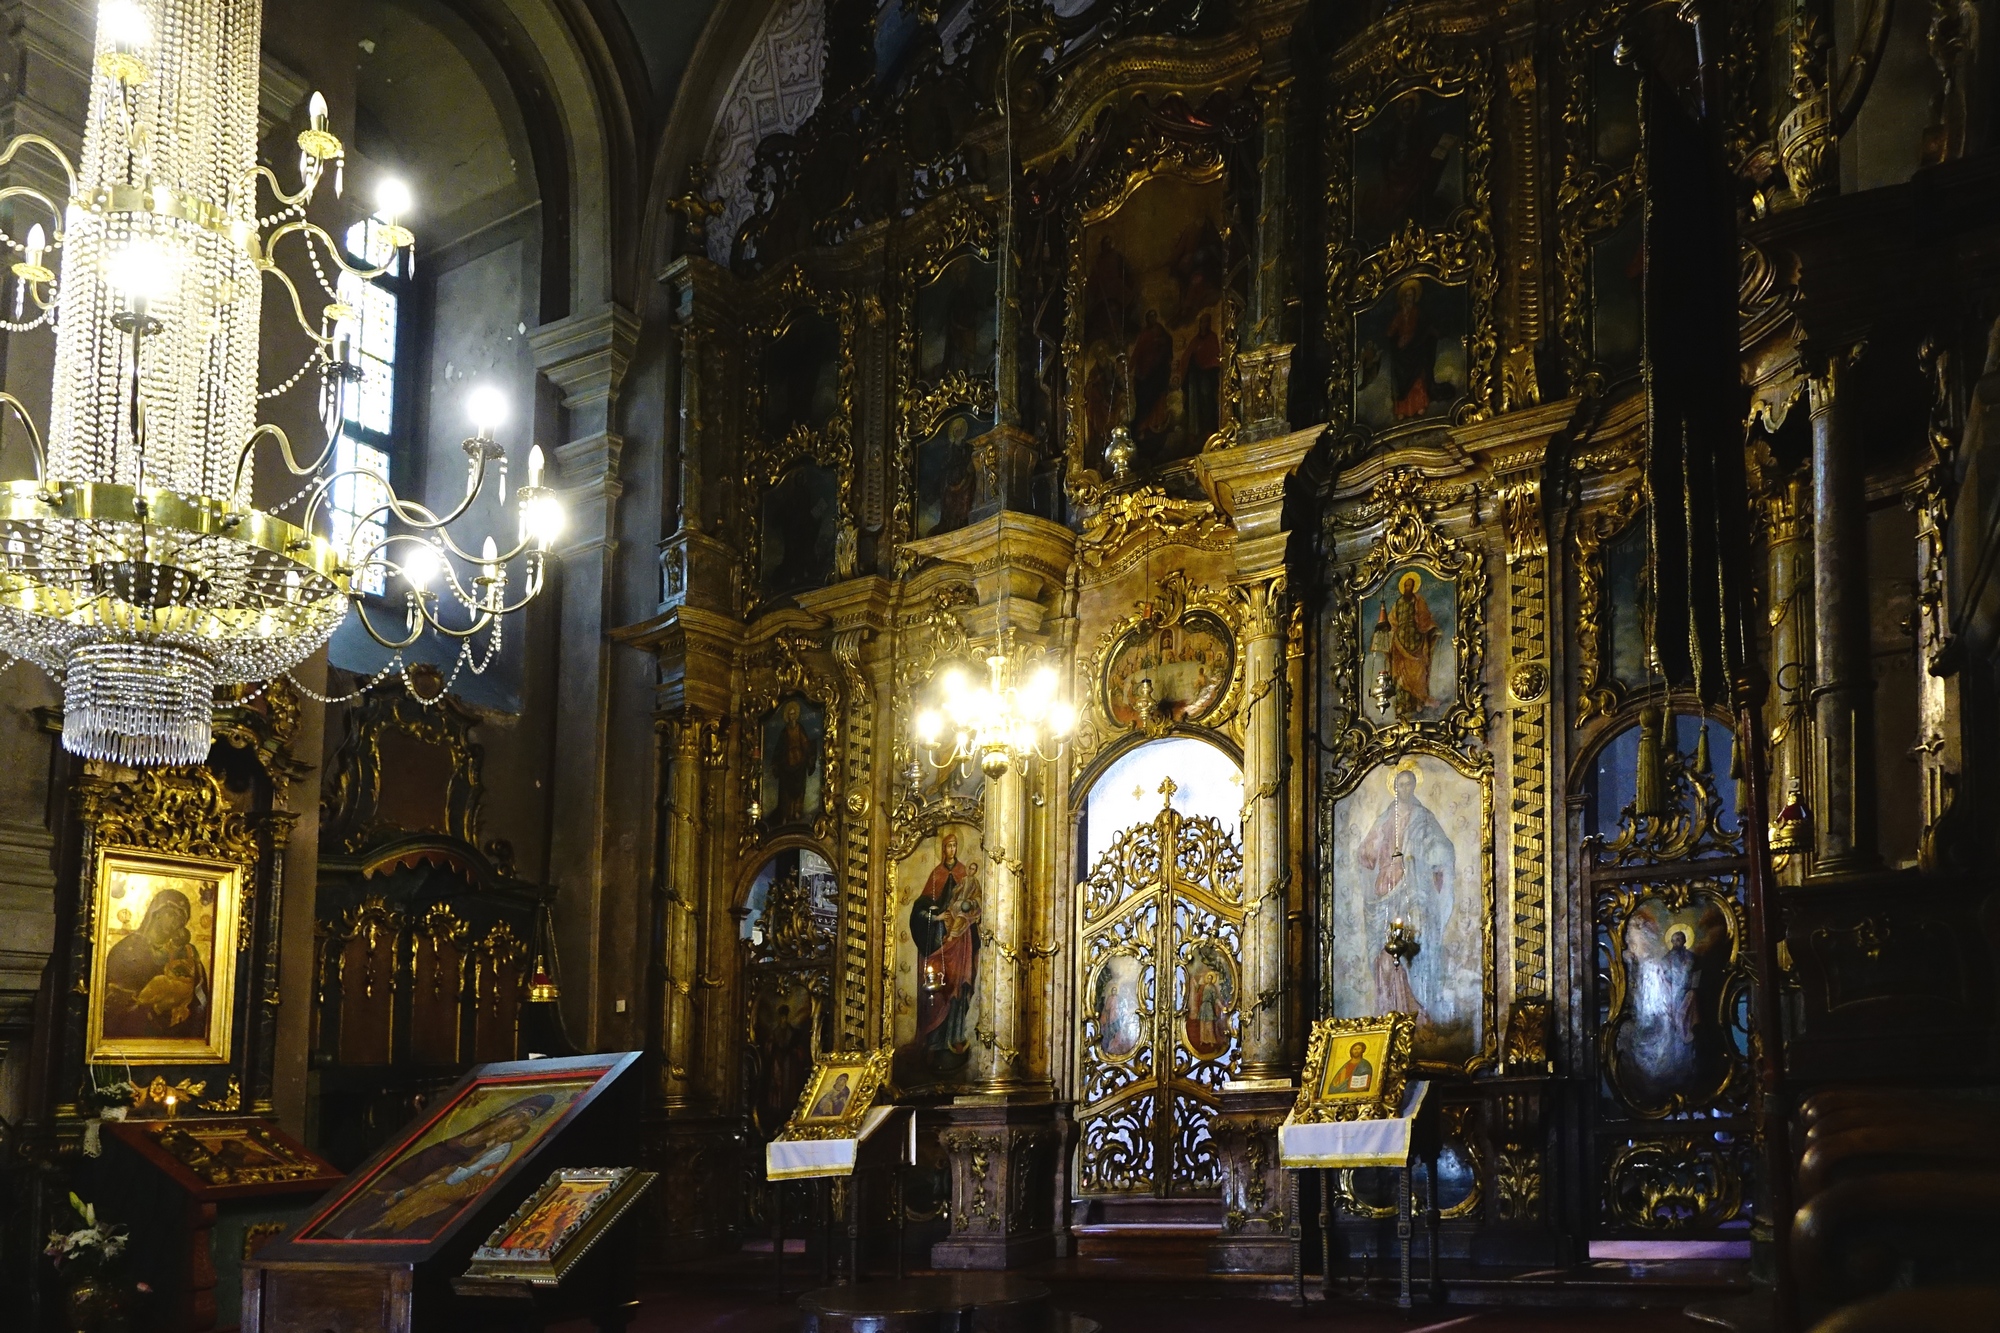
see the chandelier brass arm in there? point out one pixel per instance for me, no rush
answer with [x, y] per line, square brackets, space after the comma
[20, 411]
[120, 574]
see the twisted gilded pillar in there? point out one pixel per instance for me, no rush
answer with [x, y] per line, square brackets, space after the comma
[1264, 832]
[1844, 682]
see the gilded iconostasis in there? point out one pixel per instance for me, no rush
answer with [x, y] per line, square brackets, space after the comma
[1286, 402]
[1265, 390]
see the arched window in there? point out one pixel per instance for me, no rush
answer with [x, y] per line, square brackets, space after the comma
[366, 427]
[1206, 782]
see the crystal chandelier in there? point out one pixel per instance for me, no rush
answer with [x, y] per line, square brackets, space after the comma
[1000, 723]
[136, 569]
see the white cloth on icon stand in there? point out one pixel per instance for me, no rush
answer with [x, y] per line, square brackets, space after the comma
[1346, 1143]
[801, 1159]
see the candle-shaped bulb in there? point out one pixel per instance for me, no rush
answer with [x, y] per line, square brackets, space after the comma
[38, 244]
[392, 199]
[535, 464]
[487, 407]
[316, 109]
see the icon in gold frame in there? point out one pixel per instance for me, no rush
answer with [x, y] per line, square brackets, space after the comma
[163, 959]
[1355, 1069]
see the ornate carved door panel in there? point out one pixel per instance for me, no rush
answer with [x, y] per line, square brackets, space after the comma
[1159, 946]
[1671, 1135]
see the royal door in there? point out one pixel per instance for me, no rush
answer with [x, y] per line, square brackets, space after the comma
[1159, 978]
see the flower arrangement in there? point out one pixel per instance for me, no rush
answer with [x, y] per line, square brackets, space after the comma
[94, 1245]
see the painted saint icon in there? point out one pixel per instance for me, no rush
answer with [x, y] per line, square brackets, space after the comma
[944, 926]
[1412, 870]
[418, 1194]
[1209, 996]
[1357, 1075]
[1409, 660]
[1115, 1001]
[1410, 357]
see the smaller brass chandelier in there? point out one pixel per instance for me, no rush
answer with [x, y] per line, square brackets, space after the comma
[1001, 722]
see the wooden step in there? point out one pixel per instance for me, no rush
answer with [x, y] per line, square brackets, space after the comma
[1160, 1241]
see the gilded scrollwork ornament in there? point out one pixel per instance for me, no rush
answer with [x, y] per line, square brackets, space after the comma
[1599, 693]
[1128, 684]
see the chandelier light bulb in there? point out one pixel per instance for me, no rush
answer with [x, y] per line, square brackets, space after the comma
[542, 519]
[125, 26]
[37, 245]
[1062, 720]
[953, 684]
[392, 199]
[316, 111]
[535, 464]
[140, 271]
[487, 407]
[420, 566]
[930, 727]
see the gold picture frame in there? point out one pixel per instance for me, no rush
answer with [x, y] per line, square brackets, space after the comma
[1355, 1069]
[165, 937]
[554, 1227]
[838, 1095]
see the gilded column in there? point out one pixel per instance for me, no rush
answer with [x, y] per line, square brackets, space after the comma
[1844, 684]
[1788, 534]
[1001, 934]
[1264, 1055]
[1528, 698]
[681, 903]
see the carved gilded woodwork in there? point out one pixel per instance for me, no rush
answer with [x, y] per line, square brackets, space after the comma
[1404, 508]
[385, 718]
[930, 638]
[1384, 1101]
[1406, 57]
[1599, 693]
[947, 231]
[870, 1073]
[1121, 528]
[1726, 975]
[360, 958]
[170, 811]
[830, 444]
[1159, 917]
[780, 669]
[858, 830]
[1687, 824]
[1529, 716]
[264, 720]
[1682, 1183]
[1593, 197]
[1176, 604]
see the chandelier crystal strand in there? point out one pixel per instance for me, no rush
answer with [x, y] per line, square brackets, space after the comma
[134, 567]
